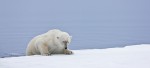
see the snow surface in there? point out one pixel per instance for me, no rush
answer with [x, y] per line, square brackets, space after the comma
[135, 56]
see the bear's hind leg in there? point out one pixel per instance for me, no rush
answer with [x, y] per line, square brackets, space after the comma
[29, 53]
[44, 50]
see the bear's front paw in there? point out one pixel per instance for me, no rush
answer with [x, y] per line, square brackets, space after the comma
[68, 52]
[46, 54]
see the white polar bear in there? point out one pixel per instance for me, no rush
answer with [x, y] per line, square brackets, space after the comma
[52, 42]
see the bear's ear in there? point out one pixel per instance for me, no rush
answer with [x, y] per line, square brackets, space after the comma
[57, 37]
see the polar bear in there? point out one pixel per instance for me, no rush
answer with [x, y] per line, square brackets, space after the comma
[52, 42]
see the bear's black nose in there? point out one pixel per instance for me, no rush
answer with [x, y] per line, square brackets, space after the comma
[65, 47]
[65, 43]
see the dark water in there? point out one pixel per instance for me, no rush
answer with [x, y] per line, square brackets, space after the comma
[92, 23]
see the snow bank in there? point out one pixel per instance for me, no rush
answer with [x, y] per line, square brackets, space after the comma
[136, 56]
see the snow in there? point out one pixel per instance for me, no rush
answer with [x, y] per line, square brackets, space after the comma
[135, 56]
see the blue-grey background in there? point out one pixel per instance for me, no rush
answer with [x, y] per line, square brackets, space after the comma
[92, 23]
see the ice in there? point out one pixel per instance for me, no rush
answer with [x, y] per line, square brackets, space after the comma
[134, 56]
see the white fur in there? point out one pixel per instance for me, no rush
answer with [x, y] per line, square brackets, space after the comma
[49, 43]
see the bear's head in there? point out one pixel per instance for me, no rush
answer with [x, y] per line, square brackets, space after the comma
[65, 39]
